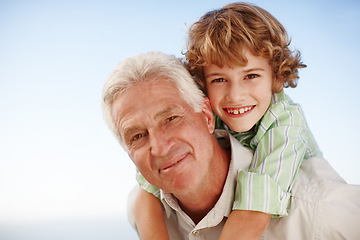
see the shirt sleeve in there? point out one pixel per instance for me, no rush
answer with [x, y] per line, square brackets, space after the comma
[146, 185]
[281, 144]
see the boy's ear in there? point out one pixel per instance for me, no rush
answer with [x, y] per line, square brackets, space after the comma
[278, 84]
[208, 114]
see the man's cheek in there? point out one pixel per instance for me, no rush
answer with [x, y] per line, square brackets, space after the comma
[135, 161]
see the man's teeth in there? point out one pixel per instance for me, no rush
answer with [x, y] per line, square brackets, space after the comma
[239, 111]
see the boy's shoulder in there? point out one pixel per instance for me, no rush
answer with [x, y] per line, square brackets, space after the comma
[282, 111]
[280, 102]
[280, 97]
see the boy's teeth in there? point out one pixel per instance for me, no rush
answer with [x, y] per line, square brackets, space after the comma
[238, 111]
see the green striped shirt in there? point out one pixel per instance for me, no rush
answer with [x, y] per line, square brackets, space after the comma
[281, 140]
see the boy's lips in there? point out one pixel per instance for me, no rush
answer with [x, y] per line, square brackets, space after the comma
[238, 110]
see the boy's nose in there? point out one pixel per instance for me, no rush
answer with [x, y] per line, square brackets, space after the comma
[235, 93]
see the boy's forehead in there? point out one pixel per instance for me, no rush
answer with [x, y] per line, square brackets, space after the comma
[238, 57]
[247, 59]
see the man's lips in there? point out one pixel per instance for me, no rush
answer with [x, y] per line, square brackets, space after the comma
[172, 163]
[239, 110]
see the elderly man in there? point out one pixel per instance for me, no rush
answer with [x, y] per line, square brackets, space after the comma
[166, 125]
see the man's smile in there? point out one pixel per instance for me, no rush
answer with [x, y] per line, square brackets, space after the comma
[171, 164]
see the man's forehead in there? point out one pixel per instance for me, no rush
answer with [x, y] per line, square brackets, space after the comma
[136, 120]
[147, 101]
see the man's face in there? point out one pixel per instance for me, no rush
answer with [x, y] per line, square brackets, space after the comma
[169, 143]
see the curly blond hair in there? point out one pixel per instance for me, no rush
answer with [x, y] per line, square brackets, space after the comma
[220, 36]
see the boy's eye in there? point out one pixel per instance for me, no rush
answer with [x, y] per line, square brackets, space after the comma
[251, 76]
[218, 80]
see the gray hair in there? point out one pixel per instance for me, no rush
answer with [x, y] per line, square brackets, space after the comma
[143, 68]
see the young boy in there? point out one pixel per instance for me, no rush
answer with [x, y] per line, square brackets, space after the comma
[240, 56]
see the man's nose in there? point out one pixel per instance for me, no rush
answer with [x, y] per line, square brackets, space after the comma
[160, 142]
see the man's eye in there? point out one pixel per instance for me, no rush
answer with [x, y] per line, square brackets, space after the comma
[171, 118]
[251, 76]
[137, 137]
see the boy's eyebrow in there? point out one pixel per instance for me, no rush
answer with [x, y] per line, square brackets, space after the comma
[212, 74]
[245, 71]
[254, 69]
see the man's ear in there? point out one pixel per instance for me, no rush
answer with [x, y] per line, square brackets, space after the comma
[208, 114]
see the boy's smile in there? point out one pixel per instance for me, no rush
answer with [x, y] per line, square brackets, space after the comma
[240, 96]
[238, 111]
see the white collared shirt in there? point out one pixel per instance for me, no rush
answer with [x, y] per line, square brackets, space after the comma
[211, 225]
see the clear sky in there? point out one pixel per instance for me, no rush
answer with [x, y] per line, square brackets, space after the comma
[58, 160]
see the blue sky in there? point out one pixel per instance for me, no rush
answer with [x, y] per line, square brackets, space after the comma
[58, 159]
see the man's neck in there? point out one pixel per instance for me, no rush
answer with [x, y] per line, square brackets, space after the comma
[197, 204]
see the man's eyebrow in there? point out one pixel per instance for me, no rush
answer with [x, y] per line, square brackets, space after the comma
[126, 130]
[168, 110]
[129, 131]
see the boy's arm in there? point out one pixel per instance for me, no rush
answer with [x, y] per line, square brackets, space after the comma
[149, 217]
[244, 224]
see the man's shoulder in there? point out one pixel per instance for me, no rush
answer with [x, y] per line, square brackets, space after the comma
[240, 155]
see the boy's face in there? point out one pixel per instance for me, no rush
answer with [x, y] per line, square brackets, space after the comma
[240, 96]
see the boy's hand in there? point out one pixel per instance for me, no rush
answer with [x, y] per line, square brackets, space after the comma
[149, 217]
[243, 224]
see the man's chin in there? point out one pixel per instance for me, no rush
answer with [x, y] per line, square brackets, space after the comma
[181, 185]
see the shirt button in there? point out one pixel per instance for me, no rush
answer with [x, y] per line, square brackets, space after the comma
[195, 232]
